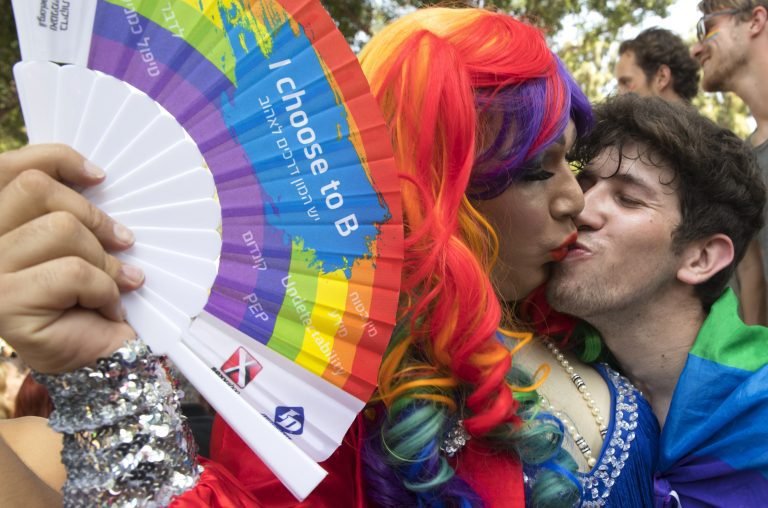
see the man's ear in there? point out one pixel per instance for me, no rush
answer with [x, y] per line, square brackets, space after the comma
[757, 22]
[703, 259]
[663, 78]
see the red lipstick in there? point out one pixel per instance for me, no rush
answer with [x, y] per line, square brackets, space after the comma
[559, 253]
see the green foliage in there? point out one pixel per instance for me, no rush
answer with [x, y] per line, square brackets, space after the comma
[351, 16]
[12, 133]
[586, 34]
[583, 32]
[727, 110]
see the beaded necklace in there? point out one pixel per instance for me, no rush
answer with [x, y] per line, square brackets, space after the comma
[581, 386]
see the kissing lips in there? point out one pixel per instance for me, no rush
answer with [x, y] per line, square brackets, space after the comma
[576, 251]
[559, 253]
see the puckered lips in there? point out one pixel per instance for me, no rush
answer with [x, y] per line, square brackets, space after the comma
[577, 250]
[560, 252]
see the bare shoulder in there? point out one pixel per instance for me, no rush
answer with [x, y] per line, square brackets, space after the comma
[36, 446]
[575, 393]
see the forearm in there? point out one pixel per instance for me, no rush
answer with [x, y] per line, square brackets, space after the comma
[124, 436]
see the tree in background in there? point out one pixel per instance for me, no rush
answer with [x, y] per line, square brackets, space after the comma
[726, 109]
[583, 32]
[12, 134]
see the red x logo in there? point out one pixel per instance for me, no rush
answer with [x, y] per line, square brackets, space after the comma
[241, 367]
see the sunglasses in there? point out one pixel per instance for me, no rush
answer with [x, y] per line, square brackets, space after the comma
[701, 26]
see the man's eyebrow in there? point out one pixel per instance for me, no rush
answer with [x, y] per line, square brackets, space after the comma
[623, 177]
[637, 183]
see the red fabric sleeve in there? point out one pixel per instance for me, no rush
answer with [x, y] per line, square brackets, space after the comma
[496, 477]
[237, 478]
[216, 488]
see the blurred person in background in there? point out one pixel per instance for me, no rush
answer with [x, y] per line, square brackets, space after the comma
[657, 62]
[12, 374]
[732, 49]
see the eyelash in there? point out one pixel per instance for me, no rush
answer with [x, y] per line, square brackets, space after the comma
[629, 201]
[537, 175]
[533, 171]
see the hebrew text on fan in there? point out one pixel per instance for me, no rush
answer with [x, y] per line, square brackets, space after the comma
[312, 150]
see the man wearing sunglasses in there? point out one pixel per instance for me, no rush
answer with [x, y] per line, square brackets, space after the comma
[732, 49]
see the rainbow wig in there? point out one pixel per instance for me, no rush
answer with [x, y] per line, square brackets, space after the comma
[469, 96]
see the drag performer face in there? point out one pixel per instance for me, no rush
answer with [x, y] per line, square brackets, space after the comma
[533, 219]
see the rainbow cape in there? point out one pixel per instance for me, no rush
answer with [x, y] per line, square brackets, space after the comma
[714, 445]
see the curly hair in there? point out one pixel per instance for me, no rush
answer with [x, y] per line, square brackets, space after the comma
[655, 47]
[470, 96]
[716, 177]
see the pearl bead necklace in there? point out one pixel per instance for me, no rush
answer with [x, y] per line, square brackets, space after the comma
[581, 386]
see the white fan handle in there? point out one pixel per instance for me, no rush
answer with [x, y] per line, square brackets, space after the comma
[295, 469]
[298, 472]
[37, 83]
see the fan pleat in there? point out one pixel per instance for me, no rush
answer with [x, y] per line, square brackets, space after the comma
[205, 243]
[202, 213]
[185, 295]
[156, 145]
[193, 184]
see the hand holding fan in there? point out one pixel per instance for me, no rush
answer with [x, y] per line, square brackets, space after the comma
[243, 148]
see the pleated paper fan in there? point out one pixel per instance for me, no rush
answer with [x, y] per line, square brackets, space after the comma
[243, 148]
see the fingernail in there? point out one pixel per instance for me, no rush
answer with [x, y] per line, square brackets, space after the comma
[123, 234]
[93, 170]
[132, 274]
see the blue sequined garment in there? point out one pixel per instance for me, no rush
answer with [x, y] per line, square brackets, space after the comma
[623, 475]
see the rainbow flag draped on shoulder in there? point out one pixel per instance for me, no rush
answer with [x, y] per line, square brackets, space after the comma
[714, 445]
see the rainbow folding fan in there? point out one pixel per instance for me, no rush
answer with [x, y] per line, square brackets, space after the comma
[243, 148]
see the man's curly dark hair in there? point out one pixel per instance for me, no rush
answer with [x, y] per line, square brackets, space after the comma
[655, 47]
[715, 174]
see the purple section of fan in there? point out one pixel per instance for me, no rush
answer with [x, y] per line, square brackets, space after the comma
[192, 89]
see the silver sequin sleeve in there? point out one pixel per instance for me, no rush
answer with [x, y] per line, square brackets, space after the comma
[126, 443]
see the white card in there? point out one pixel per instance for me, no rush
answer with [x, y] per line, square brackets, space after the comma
[55, 30]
